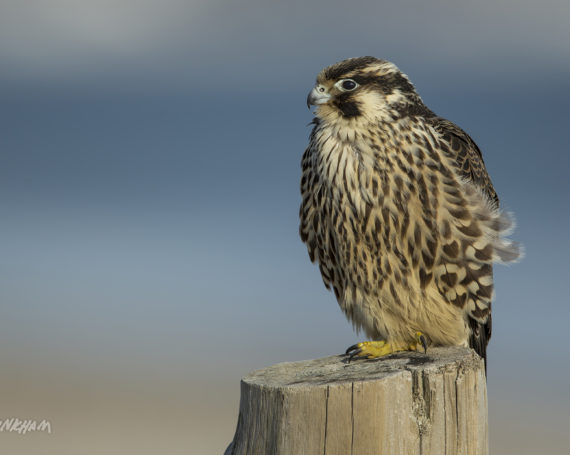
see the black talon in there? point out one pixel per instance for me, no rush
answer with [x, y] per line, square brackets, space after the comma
[353, 355]
[352, 352]
[424, 343]
[354, 347]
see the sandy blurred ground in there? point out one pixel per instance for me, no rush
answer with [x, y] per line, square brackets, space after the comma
[132, 414]
[149, 412]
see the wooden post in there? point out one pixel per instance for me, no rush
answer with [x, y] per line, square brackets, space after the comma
[408, 403]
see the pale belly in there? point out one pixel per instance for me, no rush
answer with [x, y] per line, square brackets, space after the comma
[383, 317]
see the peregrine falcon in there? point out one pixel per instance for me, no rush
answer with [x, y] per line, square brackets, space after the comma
[400, 213]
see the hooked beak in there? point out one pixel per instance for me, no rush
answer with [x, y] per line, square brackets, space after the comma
[318, 95]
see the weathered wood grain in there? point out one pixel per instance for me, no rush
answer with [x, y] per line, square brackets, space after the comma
[408, 403]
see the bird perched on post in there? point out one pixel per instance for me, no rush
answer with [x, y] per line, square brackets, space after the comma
[399, 212]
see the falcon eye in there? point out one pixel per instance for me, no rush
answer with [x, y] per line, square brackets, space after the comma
[346, 85]
[349, 84]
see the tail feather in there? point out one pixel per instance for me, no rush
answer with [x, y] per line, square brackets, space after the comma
[480, 336]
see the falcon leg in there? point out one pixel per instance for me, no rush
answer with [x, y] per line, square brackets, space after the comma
[375, 349]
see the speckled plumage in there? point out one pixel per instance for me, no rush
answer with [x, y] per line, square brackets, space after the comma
[399, 211]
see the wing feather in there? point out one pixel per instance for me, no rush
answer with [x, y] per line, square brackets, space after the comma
[469, 159]
[470, 165]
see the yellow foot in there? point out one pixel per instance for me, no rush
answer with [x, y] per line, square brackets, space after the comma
[375, 349]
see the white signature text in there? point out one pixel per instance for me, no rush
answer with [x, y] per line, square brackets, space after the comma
[15, 425]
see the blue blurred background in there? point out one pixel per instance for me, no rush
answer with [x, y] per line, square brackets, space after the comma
[149, 169]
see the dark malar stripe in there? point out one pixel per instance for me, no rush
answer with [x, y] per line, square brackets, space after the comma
[349, 109]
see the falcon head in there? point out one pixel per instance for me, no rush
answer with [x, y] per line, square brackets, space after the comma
[363, 87]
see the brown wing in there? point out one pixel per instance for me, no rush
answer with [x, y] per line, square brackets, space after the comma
[315, 216]
[468, 156]
[311, 225]
[307, 212]
[471, 167]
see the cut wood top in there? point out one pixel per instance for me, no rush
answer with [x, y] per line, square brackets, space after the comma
[334, 369]
[409, 402]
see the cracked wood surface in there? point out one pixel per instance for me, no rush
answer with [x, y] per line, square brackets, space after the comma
[407, 403]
